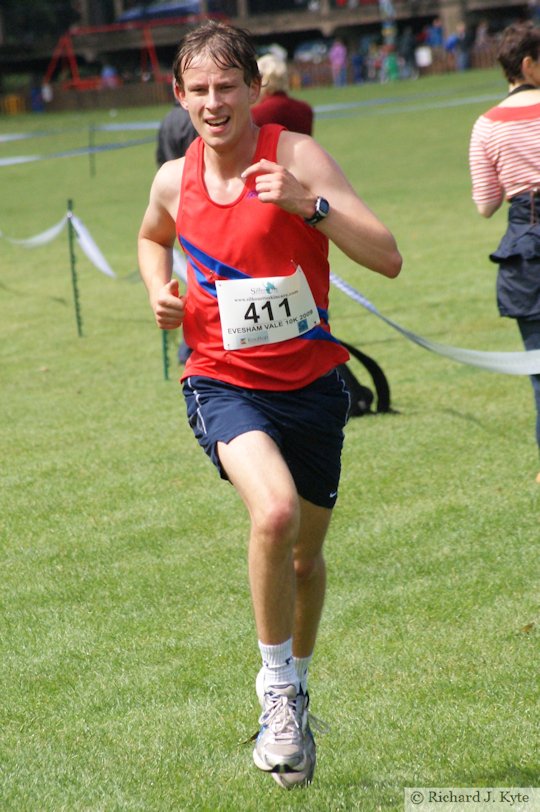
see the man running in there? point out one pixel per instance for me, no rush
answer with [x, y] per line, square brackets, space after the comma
[254, 209]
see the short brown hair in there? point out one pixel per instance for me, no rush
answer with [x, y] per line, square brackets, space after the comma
[518, 41]
[229, 47]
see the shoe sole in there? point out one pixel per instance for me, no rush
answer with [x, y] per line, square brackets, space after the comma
[298, 779]
[292, 780]
[278, 766]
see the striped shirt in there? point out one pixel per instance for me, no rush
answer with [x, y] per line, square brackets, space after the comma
[504, 153]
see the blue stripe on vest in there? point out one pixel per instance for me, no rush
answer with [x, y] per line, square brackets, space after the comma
[213, 265]
[201, 279]
[318, 333]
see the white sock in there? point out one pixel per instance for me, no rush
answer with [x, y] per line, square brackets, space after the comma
[302, 664]
[278, 664]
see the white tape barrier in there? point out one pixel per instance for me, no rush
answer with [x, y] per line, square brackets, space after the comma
[85, 239]
[90, 248]
[180, 264]
[73, 153]
[509, 363]
[40, 239]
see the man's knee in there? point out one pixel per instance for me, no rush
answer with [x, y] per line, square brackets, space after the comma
[277, 523]
[307, 568]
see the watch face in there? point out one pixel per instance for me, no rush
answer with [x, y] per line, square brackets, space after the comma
[323, 206]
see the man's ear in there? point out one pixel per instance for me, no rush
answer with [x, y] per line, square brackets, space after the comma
[254, 91]
[527, 63]
[178, 94]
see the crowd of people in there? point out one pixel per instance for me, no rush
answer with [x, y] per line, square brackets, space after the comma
[403, 53]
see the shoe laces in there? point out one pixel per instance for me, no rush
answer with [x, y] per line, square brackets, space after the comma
[313, 722]
[280, 715]
[318, 725]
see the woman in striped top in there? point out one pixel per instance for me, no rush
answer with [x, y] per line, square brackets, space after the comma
[505, 164]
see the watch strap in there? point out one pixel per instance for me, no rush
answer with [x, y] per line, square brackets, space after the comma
[322, 208]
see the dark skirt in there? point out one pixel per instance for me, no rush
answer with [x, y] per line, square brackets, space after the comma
[518, 257]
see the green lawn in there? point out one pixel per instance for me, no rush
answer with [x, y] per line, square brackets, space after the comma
[127, 648]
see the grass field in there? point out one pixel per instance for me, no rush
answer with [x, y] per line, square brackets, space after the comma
[127, 648]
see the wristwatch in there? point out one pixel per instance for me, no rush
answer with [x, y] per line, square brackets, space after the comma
[322, 207]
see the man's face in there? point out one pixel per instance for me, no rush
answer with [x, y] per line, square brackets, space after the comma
[217, 99]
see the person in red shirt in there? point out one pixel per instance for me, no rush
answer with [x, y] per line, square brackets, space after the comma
[254, 209]
[275, 106]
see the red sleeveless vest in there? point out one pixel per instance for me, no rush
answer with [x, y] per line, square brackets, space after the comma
[250, 239]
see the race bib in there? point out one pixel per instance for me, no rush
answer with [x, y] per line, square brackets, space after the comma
[265, 310]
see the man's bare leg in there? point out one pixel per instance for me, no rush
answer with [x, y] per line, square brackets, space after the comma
[310, 571]
[257, 470]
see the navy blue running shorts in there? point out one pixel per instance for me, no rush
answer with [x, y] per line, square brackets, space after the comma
[306, 424]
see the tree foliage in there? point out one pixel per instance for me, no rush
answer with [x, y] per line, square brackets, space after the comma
[29, 21]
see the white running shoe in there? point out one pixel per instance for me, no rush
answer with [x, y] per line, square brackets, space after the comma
[296, 778]
[280, 745]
